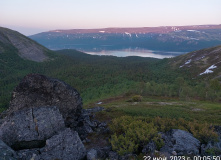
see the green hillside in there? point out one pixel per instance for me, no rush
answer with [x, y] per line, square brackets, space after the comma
[99, 77]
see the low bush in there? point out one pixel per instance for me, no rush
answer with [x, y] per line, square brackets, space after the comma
[137, 98]
[130, 134]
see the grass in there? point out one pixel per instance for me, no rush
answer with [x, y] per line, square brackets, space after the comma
[201, 111]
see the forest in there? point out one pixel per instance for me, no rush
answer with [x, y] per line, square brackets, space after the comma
[99, 77]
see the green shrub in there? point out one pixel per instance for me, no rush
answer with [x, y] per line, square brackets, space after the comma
[137, 98]
[204, 132]
[213, 151]
[132, 133]
[158, 141]
[123, 144]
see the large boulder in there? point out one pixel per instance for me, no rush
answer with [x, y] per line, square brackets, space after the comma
[180, 142]
[6, 152]
[38, 90]
[30, 127]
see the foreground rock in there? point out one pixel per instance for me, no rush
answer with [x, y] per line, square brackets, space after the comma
[179, 142]
[66, 145]
[30, 127]
[6, 152]
[87, 123]
[37, 90]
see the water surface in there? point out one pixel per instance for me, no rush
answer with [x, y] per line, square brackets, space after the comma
[136, 52]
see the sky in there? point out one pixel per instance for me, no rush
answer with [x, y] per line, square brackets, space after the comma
[34, 16]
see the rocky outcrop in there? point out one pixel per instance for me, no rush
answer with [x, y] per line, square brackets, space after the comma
[149, 148]
[34, 125]
[66, 146]
[6, 152]
[40, 133]
[179, 142]
[87, 123]
[38, 90]
[30, 127]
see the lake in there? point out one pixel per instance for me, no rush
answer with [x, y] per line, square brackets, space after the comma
[135, 52]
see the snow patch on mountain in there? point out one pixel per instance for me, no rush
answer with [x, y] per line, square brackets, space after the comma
[209, 70]
[128, 34]
[193, 31]
[188, 62]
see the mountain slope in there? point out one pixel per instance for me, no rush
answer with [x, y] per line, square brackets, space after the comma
[26, 48]
[168, 38]
[205, 63]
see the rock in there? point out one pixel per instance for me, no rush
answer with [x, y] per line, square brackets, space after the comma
[6, 153]
[30, 127]
[92, 154]
[174, 153]
[113, 155]
[102, 125]
[29, 154]
[86, 123]
[182, 142]
[38, 90]
[129, 157]
[149, 148]
[94, 109]
[103, 152]
[66, 146]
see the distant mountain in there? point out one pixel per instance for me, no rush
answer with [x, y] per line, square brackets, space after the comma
[168, 38]
[23, 46]
[205, 63]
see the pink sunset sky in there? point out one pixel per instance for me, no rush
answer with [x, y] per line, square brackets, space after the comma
[34, 16]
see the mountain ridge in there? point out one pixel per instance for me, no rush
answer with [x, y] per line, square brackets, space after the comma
[160, 29]
[168, 38]
[26, 47]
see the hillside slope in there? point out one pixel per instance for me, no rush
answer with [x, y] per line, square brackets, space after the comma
[25, 47]
[205, 63]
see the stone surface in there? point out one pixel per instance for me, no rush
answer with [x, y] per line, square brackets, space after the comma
[87, 124]
[66, 146]
[38, 90]
[149, 148]
[113, 155]
[6, 153]
[182, 142]
[129, 157]
[94, 109]
[29, 154]
[30, 127]
[92, 154]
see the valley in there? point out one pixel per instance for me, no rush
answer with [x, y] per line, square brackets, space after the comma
[141, 100]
